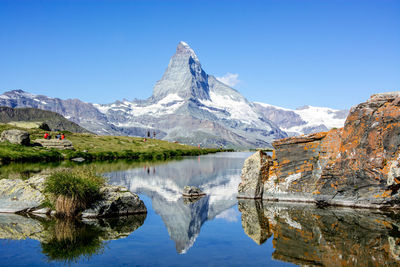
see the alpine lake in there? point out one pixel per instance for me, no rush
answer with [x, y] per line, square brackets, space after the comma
[215, 230]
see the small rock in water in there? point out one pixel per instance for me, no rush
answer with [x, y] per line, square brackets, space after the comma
[191, 191]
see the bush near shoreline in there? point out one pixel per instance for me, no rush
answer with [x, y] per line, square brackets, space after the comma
[95, 147]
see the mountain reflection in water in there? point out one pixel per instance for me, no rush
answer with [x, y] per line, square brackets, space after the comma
[306, 235]
[217, 175]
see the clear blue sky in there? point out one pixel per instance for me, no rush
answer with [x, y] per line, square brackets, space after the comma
[289, 53]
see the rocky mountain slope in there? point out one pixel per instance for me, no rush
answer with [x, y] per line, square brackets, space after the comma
[54, 120]
[187, 105]
[355, 166]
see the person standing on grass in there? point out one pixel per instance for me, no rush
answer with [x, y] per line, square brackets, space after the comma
[62, 136]
[154, 135]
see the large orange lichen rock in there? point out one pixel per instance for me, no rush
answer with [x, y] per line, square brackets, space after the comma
[357, 165]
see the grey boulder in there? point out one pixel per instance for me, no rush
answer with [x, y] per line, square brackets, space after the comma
[117, 200]
[21, 196]
[15, 136]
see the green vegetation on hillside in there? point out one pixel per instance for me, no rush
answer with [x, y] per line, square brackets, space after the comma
[30, 116]
[94, 147]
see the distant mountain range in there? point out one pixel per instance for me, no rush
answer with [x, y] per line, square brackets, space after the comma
[52, 119]
[189, 106]
[303, 120]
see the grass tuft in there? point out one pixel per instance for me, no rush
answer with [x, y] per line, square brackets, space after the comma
[74, 190]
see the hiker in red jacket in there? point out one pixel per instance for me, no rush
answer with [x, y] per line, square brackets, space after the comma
[62, 136]
[46, 135]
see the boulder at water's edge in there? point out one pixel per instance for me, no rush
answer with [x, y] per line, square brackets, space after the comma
[357, 165]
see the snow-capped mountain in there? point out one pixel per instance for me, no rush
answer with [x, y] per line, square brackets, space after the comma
[303, 120]
[189, 106]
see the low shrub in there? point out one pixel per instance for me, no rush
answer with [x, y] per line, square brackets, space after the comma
[74, 190]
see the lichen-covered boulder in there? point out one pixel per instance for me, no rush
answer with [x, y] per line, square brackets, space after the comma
[192, 191]
[21, 196]
[117, 200]
[15, 136]
[356, 166]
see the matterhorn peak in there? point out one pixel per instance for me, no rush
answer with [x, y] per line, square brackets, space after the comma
[184, 49]
[183, 77]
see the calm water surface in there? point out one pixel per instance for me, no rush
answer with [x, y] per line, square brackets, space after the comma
[216, 230]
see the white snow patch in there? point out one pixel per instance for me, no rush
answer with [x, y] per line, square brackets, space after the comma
[157, 109]
[272, 106]
[239, 110]
[40, 101]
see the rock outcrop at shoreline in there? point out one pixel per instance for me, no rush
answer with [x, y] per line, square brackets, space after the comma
[19, 196]
[357, 165]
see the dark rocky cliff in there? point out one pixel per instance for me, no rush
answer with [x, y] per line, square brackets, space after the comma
[353, 166]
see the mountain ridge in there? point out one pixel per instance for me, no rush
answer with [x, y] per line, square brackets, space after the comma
[187, 105]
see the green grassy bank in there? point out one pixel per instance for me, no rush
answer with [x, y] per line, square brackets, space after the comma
[94, 147]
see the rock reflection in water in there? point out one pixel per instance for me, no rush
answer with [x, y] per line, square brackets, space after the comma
[305, 235]
[68, 240]
[216, 175]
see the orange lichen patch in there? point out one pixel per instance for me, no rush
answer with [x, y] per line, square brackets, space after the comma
[334, 186]
[299, 139]
[384, 223]
[316, 192]
[386, 193]
[285, 161]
